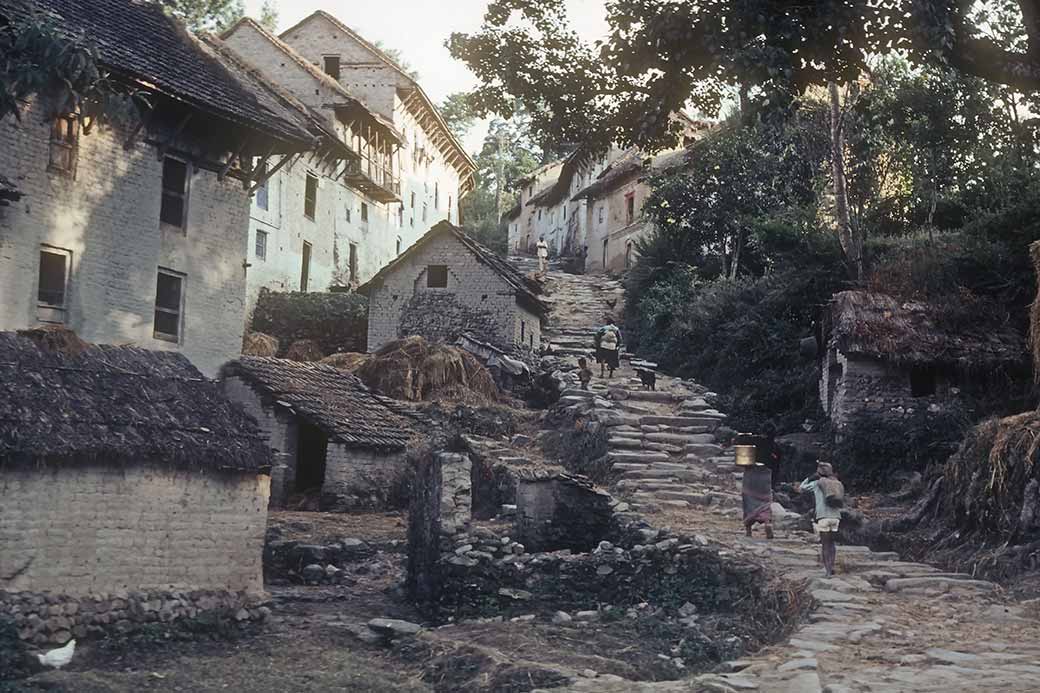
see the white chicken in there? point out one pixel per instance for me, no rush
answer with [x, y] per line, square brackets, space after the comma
[58, 658]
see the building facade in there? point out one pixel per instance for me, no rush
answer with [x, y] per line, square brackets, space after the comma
[313, 228]
[132, 228]
[447, 285]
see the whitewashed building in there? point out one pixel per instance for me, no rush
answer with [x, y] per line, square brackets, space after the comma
[316, 227]
[132, 229]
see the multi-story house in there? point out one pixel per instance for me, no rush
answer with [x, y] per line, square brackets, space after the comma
[133, 227]
[526, 225]
[313, 230]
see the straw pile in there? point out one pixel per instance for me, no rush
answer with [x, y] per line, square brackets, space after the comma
[412, 369]
[346, 361]
[991, 483]
[304, 350]
[259, 344]
[56, 339]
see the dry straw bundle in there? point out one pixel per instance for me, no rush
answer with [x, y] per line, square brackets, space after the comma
[259, 344]
[413, 369]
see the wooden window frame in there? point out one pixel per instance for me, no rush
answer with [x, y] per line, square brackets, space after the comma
[65, 144]
[184, 195]
[179, 312]
[364, 212]
[309, 201]
[47, 311]
[305, 266]
[630, 208]
[352, 261]
[338, 69]
[261, 234]
[442, 270]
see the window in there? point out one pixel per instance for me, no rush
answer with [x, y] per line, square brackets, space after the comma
[539, 215]
[305, 269]
[348, 214]
[261, 196]
[436, 195]
[364, 212]
[353, 262]
[565, 214]
[523, 331]
[174, 192]
[310, 196]
[601, 215]
[630, 208]
[398, 245]
[437, 276]
[261, 244]
[605, 242]
[64, 144]
[169, 299]
[413, 199]
[332, 66]
[53, 284]
[400, 216]
[424, 212]
[449, 207]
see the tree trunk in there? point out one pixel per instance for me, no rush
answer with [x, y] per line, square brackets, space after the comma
[851, 242]
[737, 252]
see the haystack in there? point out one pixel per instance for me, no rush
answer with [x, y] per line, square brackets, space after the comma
[56, 339]
[413, 369]
[304, 350]
[346, 361]
[259, 344]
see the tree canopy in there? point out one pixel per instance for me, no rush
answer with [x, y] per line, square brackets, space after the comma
[658, 56]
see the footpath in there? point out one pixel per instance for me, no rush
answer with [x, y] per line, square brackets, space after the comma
[879, 625]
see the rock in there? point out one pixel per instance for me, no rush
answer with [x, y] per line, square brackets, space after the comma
[519, 595]
[952, 657]
[313, 573]
[332, 571]
[520, 440]
[507, 510]
[587, 616]
[393, 627]
[687, 609]
[307, 554]
[803, 683]
[604, 570]
[798, 665]
[241, 615]
[561, 617]
[354, 547]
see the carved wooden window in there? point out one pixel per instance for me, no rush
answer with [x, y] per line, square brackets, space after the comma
[64, 144]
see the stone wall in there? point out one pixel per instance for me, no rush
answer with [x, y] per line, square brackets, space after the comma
[88, 529]
[359, 479]
[107, 219]
[476, 298]
[45, 618]
[561, 512]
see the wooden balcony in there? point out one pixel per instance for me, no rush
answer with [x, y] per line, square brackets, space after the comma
[376, 181]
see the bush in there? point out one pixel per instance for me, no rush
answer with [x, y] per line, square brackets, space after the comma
[337, 322]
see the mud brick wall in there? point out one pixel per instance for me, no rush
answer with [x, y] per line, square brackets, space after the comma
[360, 479]
[44, 618]
[476, 299]
[107, 219]
[92, 529]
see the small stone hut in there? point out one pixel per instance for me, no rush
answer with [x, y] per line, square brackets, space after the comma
[123, 471]
[330, 433]
[891, 358]
[447, 284]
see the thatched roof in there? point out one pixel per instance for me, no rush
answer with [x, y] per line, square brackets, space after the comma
[326, 397]
[909, 333]
[64, 400]
[526, 290]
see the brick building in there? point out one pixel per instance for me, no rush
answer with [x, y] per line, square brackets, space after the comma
[312, 228]
[448, 284]
[132, 228]
[332, 436]
[122, 469]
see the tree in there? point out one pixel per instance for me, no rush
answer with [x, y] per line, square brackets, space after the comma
[397, 58]
[207, 15]
[457, 112]
[269, 16]
[657, 56]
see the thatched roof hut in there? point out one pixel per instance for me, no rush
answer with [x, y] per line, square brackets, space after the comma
[117, 405]
[911, 333]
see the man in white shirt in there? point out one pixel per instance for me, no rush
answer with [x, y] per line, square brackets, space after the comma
[543, 254]
[828, 517]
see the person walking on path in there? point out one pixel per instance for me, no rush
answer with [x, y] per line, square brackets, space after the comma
[829, 494]
[756, 494]
[608, 347]
[543, 254]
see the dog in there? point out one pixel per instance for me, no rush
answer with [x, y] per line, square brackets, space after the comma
[648, 378]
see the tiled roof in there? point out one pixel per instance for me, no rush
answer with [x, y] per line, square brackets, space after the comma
[136, 40]
[118, 405]
[557, 192]
[331, 399]
[526, 289]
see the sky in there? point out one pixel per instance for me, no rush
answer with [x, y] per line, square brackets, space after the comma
[419, 28]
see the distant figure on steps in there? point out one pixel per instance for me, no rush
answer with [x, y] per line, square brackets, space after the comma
[584, 373]
[543, 255]
[829, 494]
[608, 347]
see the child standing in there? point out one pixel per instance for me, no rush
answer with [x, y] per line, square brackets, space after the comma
[584, 373]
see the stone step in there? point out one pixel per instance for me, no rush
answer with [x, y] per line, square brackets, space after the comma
[633, 485]
[677, 421]
[574, 392]
[688, 496]
[624, 443]
[663, 447]
[704, 450]
[641, 395]
[631, 466]
[680, 438]
[624, 405]
[672, 466]
[654, 475]
[677, 430]
[637, 456]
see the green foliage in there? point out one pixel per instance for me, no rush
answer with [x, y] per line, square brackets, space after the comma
[269, 16]
[207, 15]
[457, 112]
[338, 322]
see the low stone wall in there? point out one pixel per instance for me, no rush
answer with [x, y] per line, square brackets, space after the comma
[358, 480]
[562, 512]
[43, 618]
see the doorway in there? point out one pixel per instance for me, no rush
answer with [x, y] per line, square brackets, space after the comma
[311, 448]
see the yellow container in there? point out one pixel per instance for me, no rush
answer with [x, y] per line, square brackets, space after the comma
[745, 455]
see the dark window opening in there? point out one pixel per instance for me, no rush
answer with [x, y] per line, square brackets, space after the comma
[332, 66]
[364, 212]
[52, 285]
[174, 192]
[64, 144]
[630, 208]
[398, 246]
[449, 207]
[923, 382]
[353, 262]
[437, 276]
[261, 244]
[305, 270]
[424, 212]
[436, 195]
[523, 331]
[261, 191]
[348, 214]
[310, 196]
[605, 242]
[169, 291]
[413, 199]
[312, 449]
